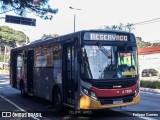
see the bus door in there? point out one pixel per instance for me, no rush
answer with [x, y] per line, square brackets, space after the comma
[13, 69]
[69, 73]
[30, 63]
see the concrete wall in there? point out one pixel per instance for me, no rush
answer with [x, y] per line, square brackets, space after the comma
[147, 61]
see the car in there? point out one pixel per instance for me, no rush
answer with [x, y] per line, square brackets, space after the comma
[149, 72]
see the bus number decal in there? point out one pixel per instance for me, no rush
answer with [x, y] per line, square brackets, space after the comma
[127, 91]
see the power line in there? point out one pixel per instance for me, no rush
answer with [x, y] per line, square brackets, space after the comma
[147, 21]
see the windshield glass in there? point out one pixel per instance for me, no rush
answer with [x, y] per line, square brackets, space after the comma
[108, 62]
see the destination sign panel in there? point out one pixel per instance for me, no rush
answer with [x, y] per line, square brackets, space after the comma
[105, 36]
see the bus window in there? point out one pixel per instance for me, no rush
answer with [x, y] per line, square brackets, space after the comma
[101, 62]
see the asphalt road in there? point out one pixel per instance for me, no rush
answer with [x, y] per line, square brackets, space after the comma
[11, 101]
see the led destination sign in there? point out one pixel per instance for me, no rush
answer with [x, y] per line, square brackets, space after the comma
[105, 36]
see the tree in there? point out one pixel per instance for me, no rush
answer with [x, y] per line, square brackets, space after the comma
[10, 37]
[156, 44]
[129, 27]
[45, 37]
[50, 35]
[142, 44]
[40, 8]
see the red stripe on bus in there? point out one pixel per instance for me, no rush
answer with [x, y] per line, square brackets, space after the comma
[114, 92]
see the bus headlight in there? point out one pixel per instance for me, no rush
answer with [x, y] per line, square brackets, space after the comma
[138, 88]
[93, 95]
[89, 93]
[85, 91]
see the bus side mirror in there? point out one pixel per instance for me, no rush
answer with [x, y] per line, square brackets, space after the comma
[79, 57]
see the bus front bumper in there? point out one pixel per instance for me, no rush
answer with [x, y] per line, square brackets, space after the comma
[88, 103]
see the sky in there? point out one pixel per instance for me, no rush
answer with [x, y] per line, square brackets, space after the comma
[95, 14]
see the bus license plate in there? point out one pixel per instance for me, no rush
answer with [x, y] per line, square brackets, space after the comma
[117, 101]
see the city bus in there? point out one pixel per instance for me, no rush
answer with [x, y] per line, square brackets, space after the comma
[89, 69]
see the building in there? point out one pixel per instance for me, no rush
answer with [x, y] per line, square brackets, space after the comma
[149, 58]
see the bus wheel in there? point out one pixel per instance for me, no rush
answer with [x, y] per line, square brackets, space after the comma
[23, 93]
[57, 99]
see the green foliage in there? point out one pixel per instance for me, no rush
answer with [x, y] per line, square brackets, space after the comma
[150, 84]
[40, 8]
[10, 37]
[8, 34]
[156, 44]
[50, 35]
[4, 58]
[129, 27]
[1, 58]
[142, 44]
[44, 37]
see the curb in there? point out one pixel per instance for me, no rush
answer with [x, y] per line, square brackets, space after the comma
[3, 73]
[150, 90]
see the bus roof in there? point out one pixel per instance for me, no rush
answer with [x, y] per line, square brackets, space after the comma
[68, 36]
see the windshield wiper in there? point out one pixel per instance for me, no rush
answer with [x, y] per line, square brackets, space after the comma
[106, 52]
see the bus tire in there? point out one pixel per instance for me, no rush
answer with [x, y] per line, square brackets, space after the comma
[57, 99]
[23, 92]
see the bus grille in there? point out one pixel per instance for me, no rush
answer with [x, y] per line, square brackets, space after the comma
[110, 100]
[109, 85]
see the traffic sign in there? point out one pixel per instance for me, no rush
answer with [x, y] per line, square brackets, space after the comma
[20, 20]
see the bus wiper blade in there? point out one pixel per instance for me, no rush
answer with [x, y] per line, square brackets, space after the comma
[106, 52]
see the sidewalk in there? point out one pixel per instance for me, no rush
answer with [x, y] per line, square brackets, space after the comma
[4, 71]
[150, 90]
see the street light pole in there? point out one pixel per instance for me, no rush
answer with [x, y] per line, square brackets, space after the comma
[74, 22]
[74, 17]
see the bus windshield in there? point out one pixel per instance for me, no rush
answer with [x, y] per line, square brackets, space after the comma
[108, 62]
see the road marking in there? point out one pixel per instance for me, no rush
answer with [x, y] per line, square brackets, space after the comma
[16, 106]
[147, 92]
[150, 93]
[148, 118]
[4, 82]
